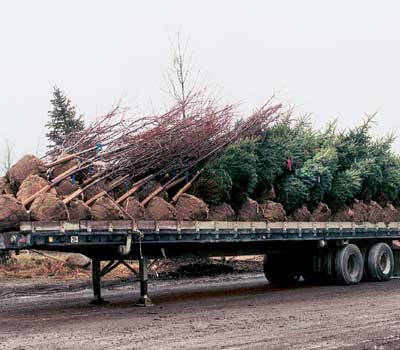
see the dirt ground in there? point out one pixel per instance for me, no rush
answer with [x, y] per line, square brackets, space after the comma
[233, 311]
[53, 266]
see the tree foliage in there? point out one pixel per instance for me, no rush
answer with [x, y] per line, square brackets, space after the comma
[214, 185]
[239, 162]
[63, 119]
[390, 187]
[292, 192]
[317, 174]
[288, 139]
[307, 166]
[345, 186]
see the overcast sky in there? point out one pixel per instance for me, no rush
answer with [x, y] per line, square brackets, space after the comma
[330, 58]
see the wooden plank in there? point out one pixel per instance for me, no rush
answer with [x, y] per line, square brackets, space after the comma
[28, 226]
[259, 225]
[188, 225]
[84, 225]
[292, 225]
[205, 225]
[146, 225]
[227, 225]
[344, 225]
[101, 225]
[306, 225]
[25, 226]
[167, 225]
[123, 225]
[72, 226]
[45, 226]
[276, 225]
[394, 225]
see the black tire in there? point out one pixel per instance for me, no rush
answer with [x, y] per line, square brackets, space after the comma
[380, 262]
[328, 266]
[279, 270]
[349, 265]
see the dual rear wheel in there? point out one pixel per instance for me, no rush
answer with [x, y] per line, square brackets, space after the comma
[345, 265]
[348, 265]
[380, 262]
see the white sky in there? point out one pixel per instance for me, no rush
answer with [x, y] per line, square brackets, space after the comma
[331, 58]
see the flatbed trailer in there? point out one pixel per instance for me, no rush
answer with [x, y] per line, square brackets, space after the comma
[339, 252]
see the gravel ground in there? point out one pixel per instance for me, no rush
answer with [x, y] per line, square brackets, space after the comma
[239, 311]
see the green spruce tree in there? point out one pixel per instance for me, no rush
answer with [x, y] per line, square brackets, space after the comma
[63, 119]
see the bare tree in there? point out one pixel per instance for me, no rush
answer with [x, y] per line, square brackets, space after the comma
[6, 156]
[5, 164]
[179, 80]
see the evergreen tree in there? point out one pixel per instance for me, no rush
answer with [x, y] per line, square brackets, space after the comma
[213, 186]
[63, 118]
[239, 163]
[390, 189]
[288, 139]
[306, 167]
[345, 186]
[352, 145]
[292, 192]
[309, 183]
[317, 173]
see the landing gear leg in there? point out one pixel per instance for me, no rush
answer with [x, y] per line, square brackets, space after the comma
[144, 299]
[96, 281]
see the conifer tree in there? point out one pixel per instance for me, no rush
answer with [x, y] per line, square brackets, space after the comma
[239, 161]
[63, 119]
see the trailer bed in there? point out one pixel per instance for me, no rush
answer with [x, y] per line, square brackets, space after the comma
[111, 238]
[302, 246]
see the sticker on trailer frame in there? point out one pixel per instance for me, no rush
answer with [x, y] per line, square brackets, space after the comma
[74, 239]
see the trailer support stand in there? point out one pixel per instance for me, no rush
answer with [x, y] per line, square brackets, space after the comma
[96, 281]
[144, 299]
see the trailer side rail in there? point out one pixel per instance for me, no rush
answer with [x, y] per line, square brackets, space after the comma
[115, 233]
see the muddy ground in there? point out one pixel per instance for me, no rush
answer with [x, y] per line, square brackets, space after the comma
[234, 311]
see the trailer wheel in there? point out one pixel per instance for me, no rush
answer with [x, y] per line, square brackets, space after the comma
[279, 270]
[349, 265]
[380, 262]
[328, 266]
